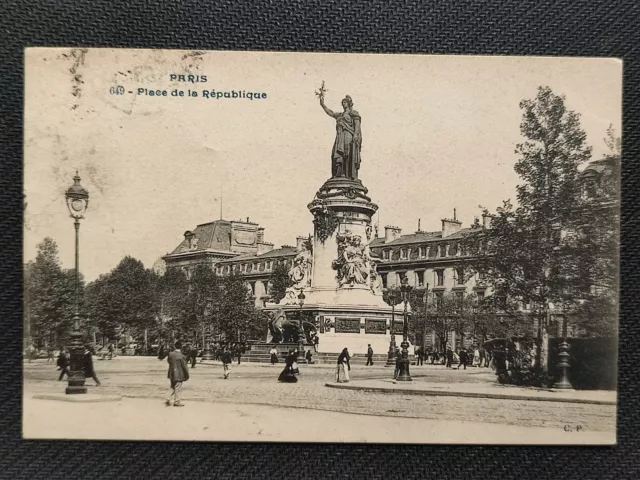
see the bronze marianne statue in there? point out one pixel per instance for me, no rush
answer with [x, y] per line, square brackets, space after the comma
[345, 156]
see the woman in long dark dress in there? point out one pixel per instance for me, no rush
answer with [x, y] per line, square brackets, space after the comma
[288, 375]
[342, 371]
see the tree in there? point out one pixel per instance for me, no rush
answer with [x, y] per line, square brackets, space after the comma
[279, 281]
[124, 299]
[520, 255]
[236, 308]
[49, 295]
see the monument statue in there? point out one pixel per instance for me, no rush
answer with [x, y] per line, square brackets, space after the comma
[345, 156]
[354, 263]
[299, 275]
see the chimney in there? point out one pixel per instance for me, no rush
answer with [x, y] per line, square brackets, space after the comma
[391, 233]
[451, 225]
[300, 241]
[486, 220]
[264, 247]
[260, 235]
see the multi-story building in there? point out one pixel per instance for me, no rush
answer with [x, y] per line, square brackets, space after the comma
[431, 261]
[232, 246]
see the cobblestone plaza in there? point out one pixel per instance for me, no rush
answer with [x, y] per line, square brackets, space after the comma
[253, 392]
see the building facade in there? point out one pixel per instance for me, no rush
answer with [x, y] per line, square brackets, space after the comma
[429, 260]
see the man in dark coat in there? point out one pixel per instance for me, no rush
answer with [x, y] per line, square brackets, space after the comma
[369, 356]
[63, 364]
[226, 361]
[178, 373]
[89, 371]
[464, 357]
[449, 357]
[194, 355]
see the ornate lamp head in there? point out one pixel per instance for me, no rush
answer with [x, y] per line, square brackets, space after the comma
[405, 287]
[77, 199]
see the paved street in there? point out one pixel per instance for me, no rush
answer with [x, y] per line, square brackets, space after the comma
[144, 378]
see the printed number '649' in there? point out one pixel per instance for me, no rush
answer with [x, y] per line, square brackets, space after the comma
[116, 90]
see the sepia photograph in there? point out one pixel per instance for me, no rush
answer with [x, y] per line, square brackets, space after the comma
[320, 247]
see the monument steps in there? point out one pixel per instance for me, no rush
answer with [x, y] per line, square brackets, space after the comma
[259, 353]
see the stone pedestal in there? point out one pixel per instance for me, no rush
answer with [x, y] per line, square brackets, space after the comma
[348, 310]
[349, 314]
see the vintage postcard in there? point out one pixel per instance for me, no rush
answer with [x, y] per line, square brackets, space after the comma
[323, 247]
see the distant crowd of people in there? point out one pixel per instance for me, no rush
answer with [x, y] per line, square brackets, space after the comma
[182, 357]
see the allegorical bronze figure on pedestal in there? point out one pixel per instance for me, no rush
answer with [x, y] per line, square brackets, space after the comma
[345, 156]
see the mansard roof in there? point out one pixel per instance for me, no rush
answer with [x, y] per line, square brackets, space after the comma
[423, 237]
[276, 253]
[214, 235]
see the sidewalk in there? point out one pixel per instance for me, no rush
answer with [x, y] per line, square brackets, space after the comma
[150, 419]
[480, 390]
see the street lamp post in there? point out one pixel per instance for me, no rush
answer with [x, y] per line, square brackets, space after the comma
[564, 365]
[77, 202]
[403, 370]
[207, 353]
[392, 297]
[301, 357]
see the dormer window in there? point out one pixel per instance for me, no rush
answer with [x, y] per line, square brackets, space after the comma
[386, 254]
[403, 254]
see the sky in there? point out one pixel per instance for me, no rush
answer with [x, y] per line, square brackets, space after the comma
[439, 132]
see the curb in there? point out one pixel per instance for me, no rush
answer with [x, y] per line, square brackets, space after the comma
[78, 398]
[495, 396]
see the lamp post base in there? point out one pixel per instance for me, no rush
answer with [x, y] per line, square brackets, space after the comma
[72, 390]
[391, 356]
[563, 382]
[207, 354]
[403, 364]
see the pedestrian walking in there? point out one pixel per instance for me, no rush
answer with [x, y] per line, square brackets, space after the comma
[226, 362]
[288, 375]
[309, 357]
[50, 357]
[89, 371]
[449, 356]
[177, 374]
[193, 352]
[369, 356]
[316, 342]
[274, 355]
[464, 358]
[419, 356]
[110, 349]
[239, 352]
[63, 364]
[398, 360]
[476, 357]
[343, 368]
[435, 357]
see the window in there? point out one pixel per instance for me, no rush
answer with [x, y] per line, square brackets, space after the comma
[403, 254]
[383, 276]
[459, 296]
[385, 255]
[460, 276]
[422, 252]
[480, 294]
[438, 299]
[401, 277]
[442, 250]
[439, 278]
[420, 278]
